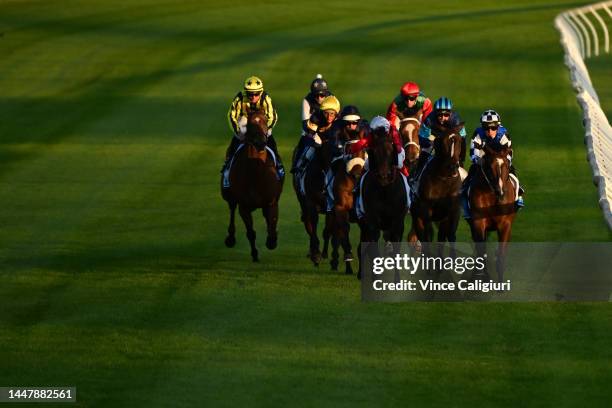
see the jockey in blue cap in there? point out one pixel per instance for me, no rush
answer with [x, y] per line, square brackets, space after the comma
[443, 116]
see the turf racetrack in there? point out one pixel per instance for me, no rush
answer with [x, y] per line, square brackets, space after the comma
[114, 275]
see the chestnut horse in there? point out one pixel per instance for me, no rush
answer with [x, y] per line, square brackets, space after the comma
[409, 132]
[346, 170]
[492, 204]
[253, 184]
[384, 199]
[438, 193]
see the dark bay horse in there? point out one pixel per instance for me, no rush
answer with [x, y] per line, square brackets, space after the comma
[383, 195]
[314, 201]
[438, 192]
[492, 204]
[346, 170]
[253, 184]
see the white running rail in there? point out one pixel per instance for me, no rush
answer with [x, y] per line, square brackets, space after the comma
[584, 33]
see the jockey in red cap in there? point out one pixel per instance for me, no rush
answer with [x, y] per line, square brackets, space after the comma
[409, 103]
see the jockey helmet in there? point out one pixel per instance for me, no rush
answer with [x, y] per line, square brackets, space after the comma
[330, 103]
[350, 113]
[253, 84]
[319, 85]
[410, 89]
[490, 116]
[443, 103]
[378, 122]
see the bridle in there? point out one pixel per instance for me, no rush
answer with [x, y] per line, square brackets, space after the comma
[411, 142]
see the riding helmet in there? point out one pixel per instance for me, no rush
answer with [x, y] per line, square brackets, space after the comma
[490, 116]
[330, 103]
[350, 113]
[253, 84]
[410, 89]
[443, 103]
[378, 122]
[319, 85]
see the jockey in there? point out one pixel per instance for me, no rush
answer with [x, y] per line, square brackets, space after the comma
[347, 128]
[493, 134]
[409, 103]
[443, 116]
[252, 98]
[381, 122]
[342, 135]
[312, 102]
[318, 131]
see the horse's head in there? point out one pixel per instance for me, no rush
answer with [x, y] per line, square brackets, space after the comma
[382, 157]
[448, 148]
[409, 131]
[257, 130]
[497, 165]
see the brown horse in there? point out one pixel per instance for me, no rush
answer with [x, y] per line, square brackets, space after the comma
[438, 193]
[384, 199]
[253, 184]
[346, 170]
[314, 201]
[492, 204]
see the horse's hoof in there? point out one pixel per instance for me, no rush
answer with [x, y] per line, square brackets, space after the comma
[271, 243]
[324, 255]
[349, 269]
[334, 264]
[315, 258]
[255, 257]
[230, 241]
[348, 257]
[359, 275]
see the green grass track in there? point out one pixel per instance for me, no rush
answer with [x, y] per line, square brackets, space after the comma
[114, 276]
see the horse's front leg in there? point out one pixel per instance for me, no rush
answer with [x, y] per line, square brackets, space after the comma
[270, 213]
[311, 219]
[342, 231]
[479, 235]
[247, 217]
[503, 235]
[230, 240]
[327, 234]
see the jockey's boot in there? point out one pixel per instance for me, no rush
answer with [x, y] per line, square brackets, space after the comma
[229, 154]
[280, 169]
[467, 214]
[423, 159]
[304, 159]
[520, 202]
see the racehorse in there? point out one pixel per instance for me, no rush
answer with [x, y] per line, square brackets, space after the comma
[346, 171]
[492, 204]
[438, 192]
[253, 184]
[409, 132]
[314, 201]
[384, 197]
